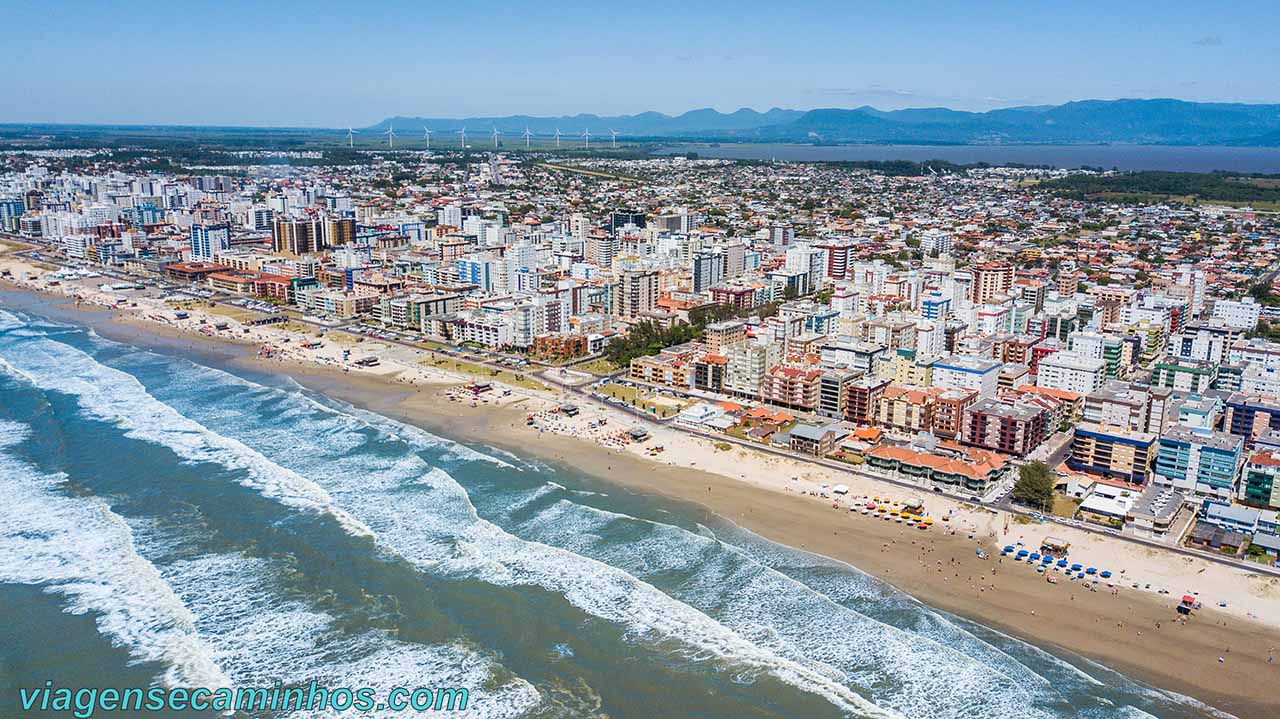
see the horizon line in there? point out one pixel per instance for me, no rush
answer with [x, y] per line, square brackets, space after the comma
[864, 106]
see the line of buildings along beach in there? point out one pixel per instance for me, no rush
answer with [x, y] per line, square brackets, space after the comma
[940, 329]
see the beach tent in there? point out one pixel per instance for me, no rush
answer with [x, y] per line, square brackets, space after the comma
[840, 489]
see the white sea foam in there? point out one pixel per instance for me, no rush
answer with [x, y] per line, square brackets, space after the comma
[9, 321]
[114, 396]
[78, 548]
[423, 515]
[438, 530]
[909, 672]
[249, 635]
[262, 638]
[391, 429]
[955, 631]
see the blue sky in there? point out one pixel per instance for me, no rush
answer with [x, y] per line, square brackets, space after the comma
[331, 64]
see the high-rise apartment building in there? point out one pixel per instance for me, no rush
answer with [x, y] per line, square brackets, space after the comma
[637, 293]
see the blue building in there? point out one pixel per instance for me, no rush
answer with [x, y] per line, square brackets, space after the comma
[935, 307]
[478, 272]
[208, 240]
[822, 321]
[1200, 460]
[144, 214]
[10, 211]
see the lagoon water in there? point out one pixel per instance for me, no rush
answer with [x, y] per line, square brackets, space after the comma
[1125, 157]
[168, 522]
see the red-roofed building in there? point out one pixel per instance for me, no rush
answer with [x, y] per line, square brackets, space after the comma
[192, 271]
[960, 469]
[792, 387]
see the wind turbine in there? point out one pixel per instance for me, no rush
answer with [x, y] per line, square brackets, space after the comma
[351, 137]
[586, 138]
[463, 132]
[391, 136]
[496, 132]
[426, 135]
[527, 135]
[614, 134]
[557, 138]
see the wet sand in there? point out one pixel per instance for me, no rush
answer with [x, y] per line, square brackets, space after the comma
[1117, 630]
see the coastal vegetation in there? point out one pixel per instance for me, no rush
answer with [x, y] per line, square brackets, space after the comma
[650, 338]
[1035, 485]
[1189, 187]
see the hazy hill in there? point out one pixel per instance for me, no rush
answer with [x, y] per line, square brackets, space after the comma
[1087, 121]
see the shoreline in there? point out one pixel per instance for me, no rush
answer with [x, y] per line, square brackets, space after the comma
[1116, 629]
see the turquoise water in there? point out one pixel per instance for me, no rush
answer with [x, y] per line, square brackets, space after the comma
[173, 523]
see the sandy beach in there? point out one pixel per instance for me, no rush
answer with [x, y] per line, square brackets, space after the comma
[1220, 656]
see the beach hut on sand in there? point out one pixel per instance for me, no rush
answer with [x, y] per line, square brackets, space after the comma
[1056, 547]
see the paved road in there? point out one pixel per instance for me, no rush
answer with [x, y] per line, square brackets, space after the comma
[586, 396]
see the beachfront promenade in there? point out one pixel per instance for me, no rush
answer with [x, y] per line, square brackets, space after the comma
[582, 392]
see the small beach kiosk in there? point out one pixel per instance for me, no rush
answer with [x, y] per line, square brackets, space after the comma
[1054, 546]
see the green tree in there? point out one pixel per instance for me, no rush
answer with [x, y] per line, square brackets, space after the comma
[1035, 485]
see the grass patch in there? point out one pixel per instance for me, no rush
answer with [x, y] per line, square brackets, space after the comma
[236, 313]
[485, 373]
[1065, 506]
[622, 392]
[341, 338]
[598, 366]
[723, 446]
[633, 397]
[593, 173]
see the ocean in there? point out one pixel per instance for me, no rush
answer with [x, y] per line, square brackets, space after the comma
[1173, 158]
[169, 522]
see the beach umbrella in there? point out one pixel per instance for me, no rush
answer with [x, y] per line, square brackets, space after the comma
[1077, 567]
[1040, 569]
[1009, 548]
[1106, 574]
[1046, 559]
[1062, 562]
[1091, 570]
[1035, 556]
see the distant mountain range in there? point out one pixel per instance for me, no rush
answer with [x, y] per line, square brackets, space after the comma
[1151, 122]
[649, 124]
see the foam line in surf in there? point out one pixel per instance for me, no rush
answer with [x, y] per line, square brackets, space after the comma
[909, 672]
[262, 637]
[447, 536]
[78, 548]
[117, 397]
